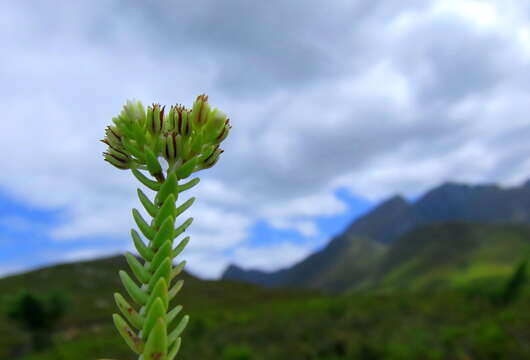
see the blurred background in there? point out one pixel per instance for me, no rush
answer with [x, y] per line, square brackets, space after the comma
[372, 202]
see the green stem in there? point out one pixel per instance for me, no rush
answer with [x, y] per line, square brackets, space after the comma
[164, 270]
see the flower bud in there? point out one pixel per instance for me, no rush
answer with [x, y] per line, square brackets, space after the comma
[114, 146]
[170, 148]
[155, 119]
[117, 161]
[119, 154]
[224, 132]
[197, 143]
[182, 120]
[211, 160]
[214, 125]
[134, 111]
[200, 111]
[113, 136]
[186, 120]
[179, 150]
[169, 121]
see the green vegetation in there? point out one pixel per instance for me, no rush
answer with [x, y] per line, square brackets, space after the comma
[38, 315]
[453, 255]
[237, 321]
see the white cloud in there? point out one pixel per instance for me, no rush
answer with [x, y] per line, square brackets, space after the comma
[388, 102]
[272, 257]
[483, 14]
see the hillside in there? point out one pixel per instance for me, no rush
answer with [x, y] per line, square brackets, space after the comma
[236, 321]
[454, 255]
[90, 286]
[385, 224]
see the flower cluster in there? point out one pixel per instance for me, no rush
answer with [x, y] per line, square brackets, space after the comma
[188, 139]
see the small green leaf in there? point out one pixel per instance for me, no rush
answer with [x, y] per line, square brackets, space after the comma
[156, 311]
[161, 254]
[188, 185]
[186, 169]
[130, 337]
[182, 244]
[177, 269]
[207, 152]
[178, 330]
[151, 184]
[175, 289]
[143, 250]
[128, 311]
[163, 271]
[124, 129]
[184, 206]
[174, 350]
[182, 227]
[160, 291]
[152, 162]
[164, 234]
[197, 143]
[167, 210]
[142, 225]
[138, 270]
[133, 149]
[172, 314]
[168, 187]
[148, 205]
[137, 294]
[156, 346]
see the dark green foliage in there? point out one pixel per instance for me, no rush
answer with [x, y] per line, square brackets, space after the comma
[38, 314]
[240, 320]
[515, 284]
[237, 352]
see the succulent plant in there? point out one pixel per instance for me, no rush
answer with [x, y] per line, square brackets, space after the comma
[189, 141]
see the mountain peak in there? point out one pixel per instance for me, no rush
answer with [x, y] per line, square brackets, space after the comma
[396, 199]
[234, 272]
[385, 222]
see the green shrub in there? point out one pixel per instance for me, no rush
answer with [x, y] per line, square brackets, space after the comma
[237, 352]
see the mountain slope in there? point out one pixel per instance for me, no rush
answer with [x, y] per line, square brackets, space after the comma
[454, 254]
[480, 203]
[88, 322]
[343, 261]
[385, 224]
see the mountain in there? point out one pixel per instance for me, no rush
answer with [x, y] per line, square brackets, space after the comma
[452, 255]
[341, 264]
[325, 269]
[482, 203]
[252, 276]
[387, 221]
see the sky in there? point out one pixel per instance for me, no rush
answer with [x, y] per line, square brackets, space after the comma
[335, 106]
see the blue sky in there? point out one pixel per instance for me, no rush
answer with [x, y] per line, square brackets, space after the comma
[331, 114]
[26, 244]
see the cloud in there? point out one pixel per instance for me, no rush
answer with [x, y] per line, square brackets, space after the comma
[375, 97]
[272, 257]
